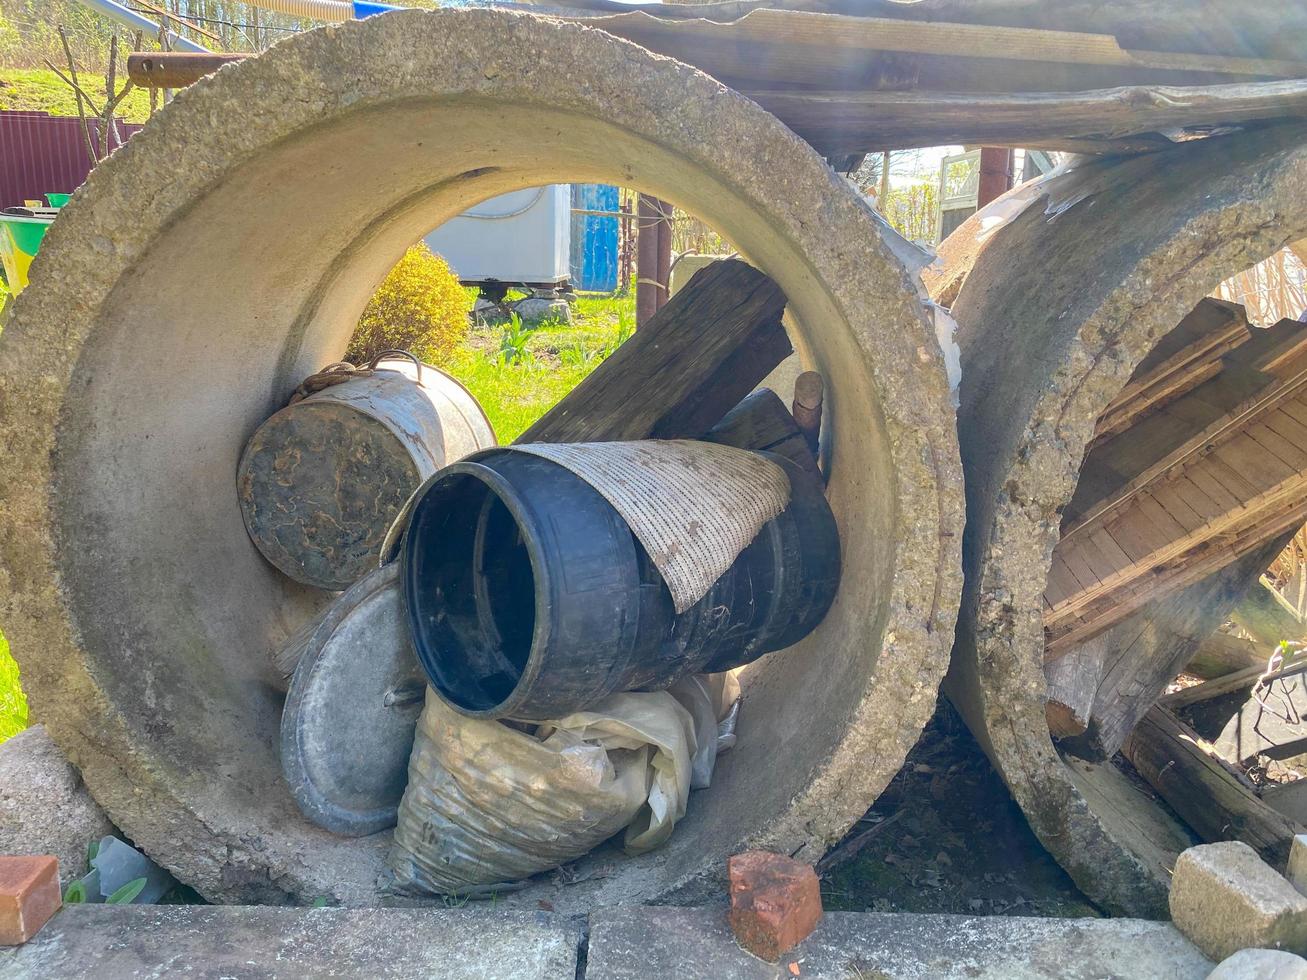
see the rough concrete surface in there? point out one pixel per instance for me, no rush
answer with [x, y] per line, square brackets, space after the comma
[1260, 964]
[636, 943]
[44, 808]
[1225, 898]
[167, 319]
[1058, 307]
[261, 943]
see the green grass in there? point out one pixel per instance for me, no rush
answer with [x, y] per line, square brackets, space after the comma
[557, 357]
[40, 90]
[13, 705]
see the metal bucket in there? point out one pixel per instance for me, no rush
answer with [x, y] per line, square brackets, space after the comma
[321, 480]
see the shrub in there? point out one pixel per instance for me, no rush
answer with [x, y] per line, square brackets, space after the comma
[418, 307]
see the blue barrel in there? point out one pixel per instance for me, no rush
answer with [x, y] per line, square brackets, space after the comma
[594, 238]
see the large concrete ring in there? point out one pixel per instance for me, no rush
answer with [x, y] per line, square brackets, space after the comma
[1055, 309]
[227, 251]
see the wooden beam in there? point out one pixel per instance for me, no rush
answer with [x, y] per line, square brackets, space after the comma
[1222, 654]
[761, 422]
[676, 377]
[1129, 117]
[1213, 798]
[1267, 617]
[820, 31]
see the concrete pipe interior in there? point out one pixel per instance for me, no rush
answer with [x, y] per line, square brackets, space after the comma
[1056, 307]
[226, 253]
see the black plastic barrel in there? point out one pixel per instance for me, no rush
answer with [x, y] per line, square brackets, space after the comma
[529, 597]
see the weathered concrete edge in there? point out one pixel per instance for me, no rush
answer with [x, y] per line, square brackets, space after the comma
[1016, 491]
[49, 334]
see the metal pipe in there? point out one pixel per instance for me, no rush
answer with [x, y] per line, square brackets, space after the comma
[130, 18]
[173, 70]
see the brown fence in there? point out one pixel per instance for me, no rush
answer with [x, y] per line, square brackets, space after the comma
[41, 153]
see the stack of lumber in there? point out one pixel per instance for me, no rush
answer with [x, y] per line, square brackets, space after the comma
[1202, 461]
[873, 75]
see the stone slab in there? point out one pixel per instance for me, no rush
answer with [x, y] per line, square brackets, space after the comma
[265, 943]
[630, 943]
[1225, 898]
[44, 807]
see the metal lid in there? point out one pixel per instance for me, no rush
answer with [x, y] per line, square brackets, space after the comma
[347, 729]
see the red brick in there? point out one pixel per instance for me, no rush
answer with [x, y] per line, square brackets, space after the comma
[775, 902]
[29, 895]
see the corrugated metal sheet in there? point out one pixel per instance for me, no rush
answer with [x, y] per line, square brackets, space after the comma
[40, 153]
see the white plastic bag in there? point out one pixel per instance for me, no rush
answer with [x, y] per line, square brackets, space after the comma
[488, 804]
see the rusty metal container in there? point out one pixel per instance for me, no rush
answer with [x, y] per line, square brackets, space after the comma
[321, 480]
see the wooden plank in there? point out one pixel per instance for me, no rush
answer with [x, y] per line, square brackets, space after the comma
[761, 422]
[800, 29]
[1208, 480]
[1143, 652]
[861, 121]
[1281, 448]
[1194, 498]
[1186, 357]
[1276, 349]
[677, 376]
[1286, 426]
[1212, 436]
[1296, 409]
[1075, 618]
[1239, 680]
[1247, 458]
[1210, 796]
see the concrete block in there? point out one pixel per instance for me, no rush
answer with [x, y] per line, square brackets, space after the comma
[1261, 964]
[775, 902]
[636, 943]
[1297, 873]
[208, 942]
[29, 895]
[44, 808]
[1225, 898]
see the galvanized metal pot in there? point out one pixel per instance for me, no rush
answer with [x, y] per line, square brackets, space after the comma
[321, 480]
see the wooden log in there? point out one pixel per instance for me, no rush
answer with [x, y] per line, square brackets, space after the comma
[1130, 664]
[676, 377]
[1213, 798]
[1264, 615]
[1221, 654]
[761, 422]
[809, 390]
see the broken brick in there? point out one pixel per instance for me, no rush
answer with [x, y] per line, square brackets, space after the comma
[29, 895]
[775, 902]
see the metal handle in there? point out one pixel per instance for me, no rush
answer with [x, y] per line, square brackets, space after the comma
[398, 353]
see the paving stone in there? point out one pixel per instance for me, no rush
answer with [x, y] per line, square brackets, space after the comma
[29, 895]
[98, 942]
[44, 808]
[775, 902]
[1261, 964]
[1225, 898]
[634, 943]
